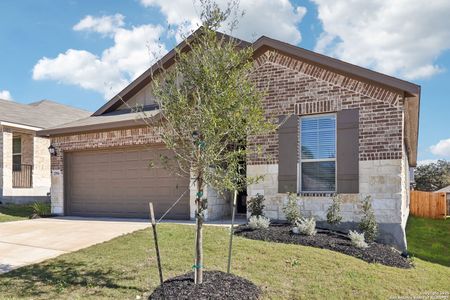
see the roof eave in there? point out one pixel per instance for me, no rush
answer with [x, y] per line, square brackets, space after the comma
[138, 122]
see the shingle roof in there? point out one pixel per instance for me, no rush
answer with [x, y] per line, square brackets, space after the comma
[42, 114]
[111, 120]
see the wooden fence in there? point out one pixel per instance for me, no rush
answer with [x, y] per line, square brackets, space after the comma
[428, 204]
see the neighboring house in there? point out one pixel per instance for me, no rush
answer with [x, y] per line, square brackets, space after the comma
[357, 130]
[24, 157]
[446, 190]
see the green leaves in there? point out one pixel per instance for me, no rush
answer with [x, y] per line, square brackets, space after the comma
[433, 176]
[208, 90]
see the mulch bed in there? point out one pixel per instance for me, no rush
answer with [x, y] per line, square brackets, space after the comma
[281, 233]
[216, 285]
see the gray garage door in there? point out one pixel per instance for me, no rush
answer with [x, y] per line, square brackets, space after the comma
[120, 183]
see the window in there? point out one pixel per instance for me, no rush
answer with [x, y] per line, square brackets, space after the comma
[17, 154]
[318, 153]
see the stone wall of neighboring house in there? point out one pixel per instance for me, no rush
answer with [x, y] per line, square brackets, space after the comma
[295, 87]
[35, 153]
[116, 138]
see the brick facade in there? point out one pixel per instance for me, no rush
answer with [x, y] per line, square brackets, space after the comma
[102, 139]
[296, 87]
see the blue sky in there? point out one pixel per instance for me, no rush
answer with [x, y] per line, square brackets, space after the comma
[52, 50]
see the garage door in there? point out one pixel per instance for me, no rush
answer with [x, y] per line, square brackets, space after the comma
[120, 183]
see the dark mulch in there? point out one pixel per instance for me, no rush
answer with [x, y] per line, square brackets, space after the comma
[281, 233]
[216, 285]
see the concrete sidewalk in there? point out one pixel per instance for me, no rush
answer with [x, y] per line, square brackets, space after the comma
[31, 241]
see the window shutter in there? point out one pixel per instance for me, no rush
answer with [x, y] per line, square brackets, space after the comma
[287, 154]
[347, 156]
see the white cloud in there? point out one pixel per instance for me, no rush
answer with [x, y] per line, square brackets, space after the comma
[402, 38]
[134, 51]
[105, 25]
[5, 95]
[275, 18]
[426, 162]
[442, 148]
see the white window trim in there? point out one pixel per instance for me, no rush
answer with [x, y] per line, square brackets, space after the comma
[299, 165]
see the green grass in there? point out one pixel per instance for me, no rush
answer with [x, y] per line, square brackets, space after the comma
[125, 267]
[429, 239]
[15, 212]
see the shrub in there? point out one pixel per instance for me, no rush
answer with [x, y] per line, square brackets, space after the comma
[41, 209]
[255, 205]
[357, 239]
[291, 209]
[306, 226]
[258, 222]
[334, 211]
[368, 223]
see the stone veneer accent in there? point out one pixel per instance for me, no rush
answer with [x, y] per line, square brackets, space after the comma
[381, 179]
[117, 138]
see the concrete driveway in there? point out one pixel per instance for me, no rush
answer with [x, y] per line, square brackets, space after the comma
[31, 241]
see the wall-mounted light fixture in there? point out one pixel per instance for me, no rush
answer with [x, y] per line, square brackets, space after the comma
[52, 150]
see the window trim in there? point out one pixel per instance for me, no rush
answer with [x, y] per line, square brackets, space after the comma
[300, 160]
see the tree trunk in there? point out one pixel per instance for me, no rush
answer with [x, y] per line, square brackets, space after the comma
[199, 235]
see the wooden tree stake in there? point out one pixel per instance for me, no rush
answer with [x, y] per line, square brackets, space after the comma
[232, 230]
[152, 218]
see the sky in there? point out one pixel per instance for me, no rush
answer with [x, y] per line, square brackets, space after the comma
[82, 52]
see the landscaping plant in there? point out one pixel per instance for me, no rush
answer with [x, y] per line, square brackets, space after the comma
[258, 222]
[334, 211]
[208, 107]
[306, 226]
[256, 206]
[291, 210]
[41, 209]
[357, 239]
[368, 223]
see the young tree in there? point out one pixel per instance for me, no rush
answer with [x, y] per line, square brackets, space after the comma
[432, 176]
[334, 216]
[368, 223]
[209, 106]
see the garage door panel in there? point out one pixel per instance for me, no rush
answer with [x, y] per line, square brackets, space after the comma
[119, 183]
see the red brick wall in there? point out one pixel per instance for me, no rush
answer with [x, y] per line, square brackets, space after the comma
[100, 140]
[293, 86]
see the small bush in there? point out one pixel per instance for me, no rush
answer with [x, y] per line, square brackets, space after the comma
[41, 209]
[368, 223]
[291, 209]
[334, 211]
[258, 222]
[306, 226]
[357, 239]
[256, 206]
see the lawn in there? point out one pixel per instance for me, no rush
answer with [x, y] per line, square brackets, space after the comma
[125, 268]
[429, 239]
[15, 212]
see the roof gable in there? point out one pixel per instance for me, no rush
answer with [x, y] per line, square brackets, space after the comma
[410, 91]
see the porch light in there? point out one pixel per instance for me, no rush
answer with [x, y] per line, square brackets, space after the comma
[52, 150]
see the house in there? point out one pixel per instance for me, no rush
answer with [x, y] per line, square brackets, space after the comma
[446, 190]
[24, 156]
[344, 129]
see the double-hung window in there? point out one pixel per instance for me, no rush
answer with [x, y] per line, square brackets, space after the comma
[318, 154]
[17, 153]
